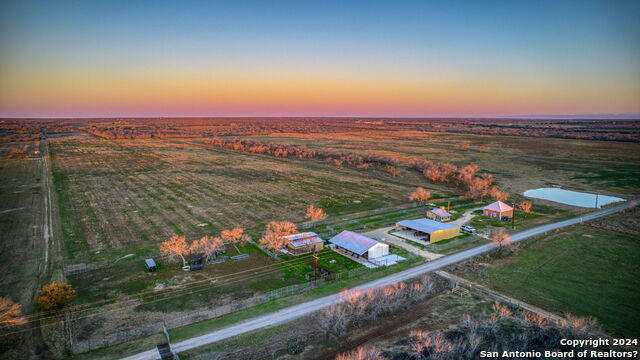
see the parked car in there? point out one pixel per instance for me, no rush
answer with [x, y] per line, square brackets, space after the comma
[150, 265]
[468, 229]
[195, 267]
[196, 261]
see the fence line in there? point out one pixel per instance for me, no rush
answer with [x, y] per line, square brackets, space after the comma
[80, 346]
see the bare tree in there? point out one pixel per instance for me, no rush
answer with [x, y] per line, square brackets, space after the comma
[525, 206]
[315, 214]
[498, 195]
[206, 246]
[361, 353]
[501, 238]
[273, 238]
[175, 247]
[273, 241]
[11, 313]
[420, 195]
[235, 236]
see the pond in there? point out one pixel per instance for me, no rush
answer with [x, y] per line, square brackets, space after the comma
[571, 197]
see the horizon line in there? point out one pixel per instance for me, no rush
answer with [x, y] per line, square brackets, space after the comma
[618, 116]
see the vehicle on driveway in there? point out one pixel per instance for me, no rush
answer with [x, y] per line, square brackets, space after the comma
[468, 229]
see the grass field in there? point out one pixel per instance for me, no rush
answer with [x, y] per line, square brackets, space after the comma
[581, 271]
[125, 197]
[519, 163]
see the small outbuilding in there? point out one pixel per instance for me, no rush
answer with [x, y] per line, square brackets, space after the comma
[438, 214]
[360, 245]
[429, 230]
[498, 210]
[150, 265]
[304, 242]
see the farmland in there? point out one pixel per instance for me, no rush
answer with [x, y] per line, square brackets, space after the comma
[125, 196]
[119, 197]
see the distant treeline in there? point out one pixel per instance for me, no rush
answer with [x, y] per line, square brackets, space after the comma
[143, 128]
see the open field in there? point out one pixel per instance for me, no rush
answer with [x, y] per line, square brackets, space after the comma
[126, 196]
[119, 198]
[519, 163]
[581, 270]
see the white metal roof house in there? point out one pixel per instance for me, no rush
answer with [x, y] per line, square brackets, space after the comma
[304, 242]
[360, 245]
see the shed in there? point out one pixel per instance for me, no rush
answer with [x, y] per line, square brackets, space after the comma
[150, 264]
[438, 214]
[498, 210]
[360, 245]
[304, 242]
[430, 229]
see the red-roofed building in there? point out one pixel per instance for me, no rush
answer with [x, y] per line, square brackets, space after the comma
[438, 214]
[498, 210]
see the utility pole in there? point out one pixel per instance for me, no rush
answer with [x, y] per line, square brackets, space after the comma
[315, 266]
[597, 193]
[448, 205]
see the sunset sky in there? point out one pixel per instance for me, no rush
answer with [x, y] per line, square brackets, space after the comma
[318, 58]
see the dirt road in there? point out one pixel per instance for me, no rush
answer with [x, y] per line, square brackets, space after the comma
[307, 308]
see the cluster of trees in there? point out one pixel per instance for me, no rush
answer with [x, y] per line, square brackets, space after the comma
[177, 246]
[303, 152]
[359, 306]
[590, 131]
[466, 178]
[503, 330]
[53, 296]
[615, 130]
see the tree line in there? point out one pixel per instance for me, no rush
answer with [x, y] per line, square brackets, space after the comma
[502, 330]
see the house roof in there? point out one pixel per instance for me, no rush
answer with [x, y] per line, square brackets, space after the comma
[426, 226]
[354, 242]
[440, 212]
[302, 239]
[498, 206]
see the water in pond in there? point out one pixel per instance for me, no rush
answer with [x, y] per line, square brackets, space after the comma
[571, 197]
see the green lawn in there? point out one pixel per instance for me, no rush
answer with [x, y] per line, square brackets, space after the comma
[580, 271]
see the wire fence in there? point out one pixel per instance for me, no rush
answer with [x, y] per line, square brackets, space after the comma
[80, 345]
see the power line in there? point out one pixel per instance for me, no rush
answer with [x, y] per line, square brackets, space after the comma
[124, 307]
[156, 293]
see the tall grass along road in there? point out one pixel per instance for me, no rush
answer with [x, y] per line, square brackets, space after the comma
[303, 309]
